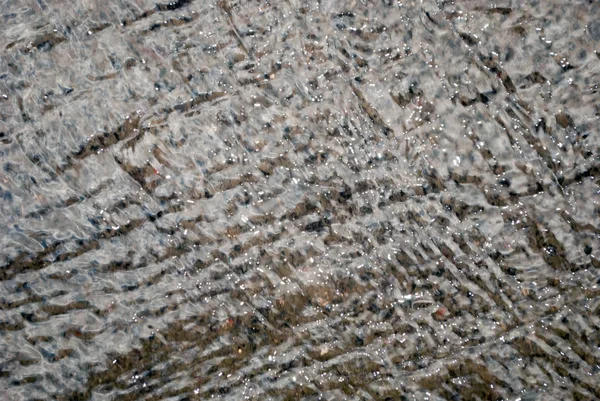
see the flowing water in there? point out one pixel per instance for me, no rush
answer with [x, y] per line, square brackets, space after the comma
[286, 200]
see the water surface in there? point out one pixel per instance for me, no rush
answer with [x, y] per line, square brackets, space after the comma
[284, 200]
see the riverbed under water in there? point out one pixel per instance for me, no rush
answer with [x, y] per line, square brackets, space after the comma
[299, 200]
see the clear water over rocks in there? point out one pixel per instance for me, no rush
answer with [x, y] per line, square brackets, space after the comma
[299, 200]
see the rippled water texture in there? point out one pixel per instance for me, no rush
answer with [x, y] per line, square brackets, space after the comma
[285, 200]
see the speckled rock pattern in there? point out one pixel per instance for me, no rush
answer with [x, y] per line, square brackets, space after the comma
[299, 200]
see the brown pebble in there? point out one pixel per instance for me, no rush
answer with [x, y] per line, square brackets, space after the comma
[441, 313]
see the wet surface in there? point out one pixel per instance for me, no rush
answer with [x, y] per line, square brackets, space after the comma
[285, 200]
